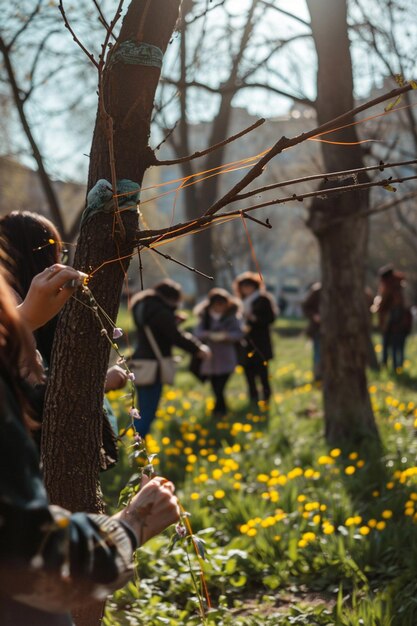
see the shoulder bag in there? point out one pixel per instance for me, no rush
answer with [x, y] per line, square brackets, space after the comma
[146, 370]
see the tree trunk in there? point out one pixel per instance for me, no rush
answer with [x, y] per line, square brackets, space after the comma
[343, 245]
[72, 428]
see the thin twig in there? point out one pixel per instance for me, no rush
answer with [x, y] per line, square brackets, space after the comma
[267, 224]
[102, 19]
[74, 36]
[216, 146]
[326, 177]
[188, 267]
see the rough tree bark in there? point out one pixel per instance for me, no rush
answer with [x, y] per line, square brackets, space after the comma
[343, 246]
[72, 419]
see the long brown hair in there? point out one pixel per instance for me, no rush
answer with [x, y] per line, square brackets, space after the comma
[31, 243]
[16, 345]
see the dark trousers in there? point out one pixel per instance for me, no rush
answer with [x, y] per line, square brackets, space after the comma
[395, 343]
[254, 369]
[149, 397]
[218, 384]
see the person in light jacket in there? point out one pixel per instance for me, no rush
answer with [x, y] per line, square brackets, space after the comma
[220, 326]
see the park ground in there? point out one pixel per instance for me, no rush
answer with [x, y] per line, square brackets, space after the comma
[295, 532]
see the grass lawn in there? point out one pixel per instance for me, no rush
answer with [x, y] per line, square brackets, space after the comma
[295, 532]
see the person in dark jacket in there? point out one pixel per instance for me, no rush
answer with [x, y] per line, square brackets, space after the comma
[220, 325]
[394, 316]
[155, 309]
[259, 312]
[52, 561]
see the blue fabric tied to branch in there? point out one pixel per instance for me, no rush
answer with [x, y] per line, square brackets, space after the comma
[100, 198]
[134, 53]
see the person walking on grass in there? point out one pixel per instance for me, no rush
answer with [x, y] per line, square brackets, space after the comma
[220, 326]
[259, 313]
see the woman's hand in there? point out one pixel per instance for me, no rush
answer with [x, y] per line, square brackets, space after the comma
[48, 292]
[152, 510]
[204, 353]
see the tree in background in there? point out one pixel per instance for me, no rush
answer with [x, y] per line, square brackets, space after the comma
[343, 244]
[221, 53]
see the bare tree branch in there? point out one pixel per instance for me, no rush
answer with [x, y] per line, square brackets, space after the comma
[68, 26]
[25, 25]
[284, 143]
[201, 153]
[270, 5]
[326, 177]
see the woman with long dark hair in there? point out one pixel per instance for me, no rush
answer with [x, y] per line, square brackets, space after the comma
[52, 561]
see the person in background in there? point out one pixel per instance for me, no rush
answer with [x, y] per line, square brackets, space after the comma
[259, 312]
[155, 310]
[394, 316]
[311, 309]
[52, 561]
[32, 243]
[220, 326]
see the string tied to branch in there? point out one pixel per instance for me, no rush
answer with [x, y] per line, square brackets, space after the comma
[137, 53]
[100, 198]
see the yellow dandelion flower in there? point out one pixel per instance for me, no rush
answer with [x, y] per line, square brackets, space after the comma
[336, 452]
[325, 460]
[309, 536]
[328, 529]
[262, 478]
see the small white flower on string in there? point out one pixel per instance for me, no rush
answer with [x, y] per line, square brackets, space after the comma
[134, 413]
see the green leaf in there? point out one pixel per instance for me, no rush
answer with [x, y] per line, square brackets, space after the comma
[272, 582]
[238, 581]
